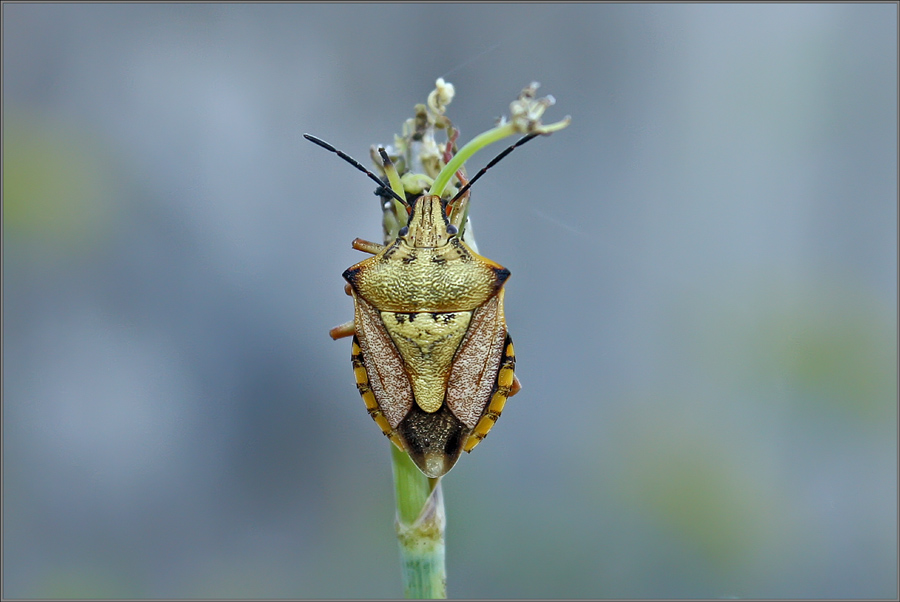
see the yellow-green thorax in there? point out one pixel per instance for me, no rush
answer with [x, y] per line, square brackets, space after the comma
[427, 269]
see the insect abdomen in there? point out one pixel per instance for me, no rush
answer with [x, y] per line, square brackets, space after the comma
[433, 440]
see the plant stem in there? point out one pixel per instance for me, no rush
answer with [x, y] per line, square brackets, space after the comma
[420, 529]
[473, 146]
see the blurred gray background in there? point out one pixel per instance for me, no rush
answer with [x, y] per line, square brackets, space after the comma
[703, 299]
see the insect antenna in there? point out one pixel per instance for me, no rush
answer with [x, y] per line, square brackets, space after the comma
[357, 165]
[493, 162]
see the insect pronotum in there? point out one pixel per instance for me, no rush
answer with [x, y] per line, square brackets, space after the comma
[432, 358]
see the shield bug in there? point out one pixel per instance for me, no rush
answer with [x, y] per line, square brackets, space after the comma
[431, 354]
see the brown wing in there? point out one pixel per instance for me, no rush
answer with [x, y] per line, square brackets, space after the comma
[388, 379]
[477, 363]
[507, 386]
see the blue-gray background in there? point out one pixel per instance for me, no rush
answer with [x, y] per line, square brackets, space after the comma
[703, 299]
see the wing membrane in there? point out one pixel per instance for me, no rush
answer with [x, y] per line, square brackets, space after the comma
[387, 374]
[477, 362]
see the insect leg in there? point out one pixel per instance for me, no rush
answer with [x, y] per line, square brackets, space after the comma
[366, 247]
[344, 330]
[516, 386]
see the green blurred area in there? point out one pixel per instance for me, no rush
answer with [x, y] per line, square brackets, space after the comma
[823, 357]
[844, 360]
[84, 583]
[57, 182]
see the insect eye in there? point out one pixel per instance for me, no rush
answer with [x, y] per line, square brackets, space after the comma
[451, 229]
[403, 231]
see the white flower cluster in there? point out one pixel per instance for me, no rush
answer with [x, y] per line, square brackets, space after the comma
[526, 111]
[441, 96]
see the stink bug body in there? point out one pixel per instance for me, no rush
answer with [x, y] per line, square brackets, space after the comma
[432, 358]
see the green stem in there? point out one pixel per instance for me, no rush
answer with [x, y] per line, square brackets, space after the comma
[473, 146]
[420, 529]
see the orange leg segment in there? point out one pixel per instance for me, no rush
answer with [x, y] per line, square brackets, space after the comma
[346, 329]
[516, 386]
[366, 247]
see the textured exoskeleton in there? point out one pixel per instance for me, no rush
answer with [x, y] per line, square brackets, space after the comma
[432, 358]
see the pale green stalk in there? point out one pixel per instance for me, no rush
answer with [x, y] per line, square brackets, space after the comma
[473, 146]
[420, 529]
